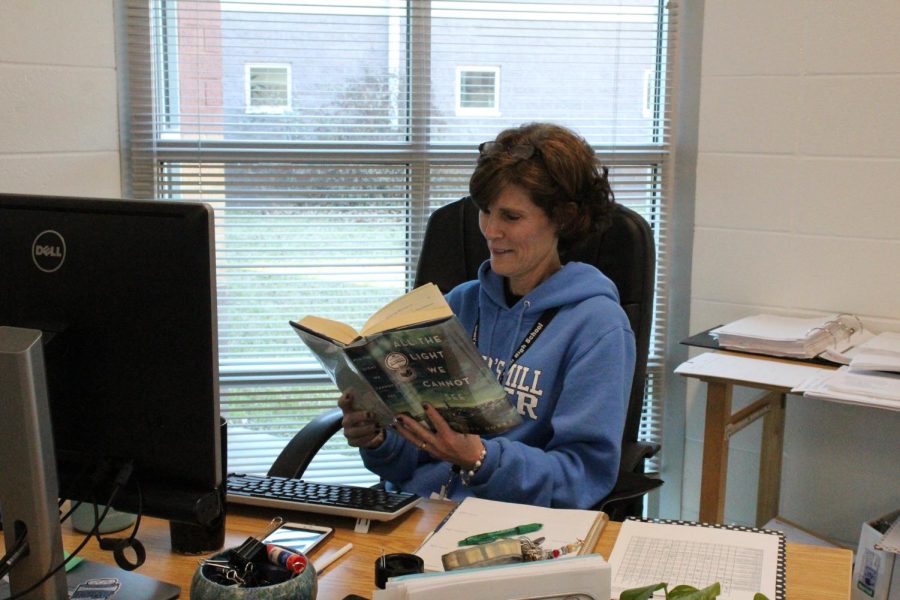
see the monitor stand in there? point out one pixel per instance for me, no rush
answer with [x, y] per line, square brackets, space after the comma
[29, 492]
[90, 579]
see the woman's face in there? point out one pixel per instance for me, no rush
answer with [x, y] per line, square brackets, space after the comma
[522, 240]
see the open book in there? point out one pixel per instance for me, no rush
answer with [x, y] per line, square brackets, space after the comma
[411, 352]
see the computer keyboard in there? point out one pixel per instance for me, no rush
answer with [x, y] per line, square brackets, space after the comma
[327, 498]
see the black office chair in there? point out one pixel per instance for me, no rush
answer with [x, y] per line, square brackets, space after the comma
[452, 251]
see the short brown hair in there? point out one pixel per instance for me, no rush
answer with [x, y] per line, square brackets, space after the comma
[562, 172]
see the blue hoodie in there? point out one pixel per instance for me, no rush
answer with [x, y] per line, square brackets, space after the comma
[571, 387]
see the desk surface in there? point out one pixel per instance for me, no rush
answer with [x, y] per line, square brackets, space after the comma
[813, 572]
[722, 372]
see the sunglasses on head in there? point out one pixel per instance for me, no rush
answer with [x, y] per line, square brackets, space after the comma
[520, 151]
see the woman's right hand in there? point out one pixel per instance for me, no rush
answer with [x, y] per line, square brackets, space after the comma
[360, 427]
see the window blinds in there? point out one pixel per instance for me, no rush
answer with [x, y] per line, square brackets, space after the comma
[324, 166]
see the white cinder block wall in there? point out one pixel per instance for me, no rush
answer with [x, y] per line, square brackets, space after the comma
[58, 98]
[798, 211]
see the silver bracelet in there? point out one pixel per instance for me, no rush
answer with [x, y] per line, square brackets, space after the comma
[466, 476]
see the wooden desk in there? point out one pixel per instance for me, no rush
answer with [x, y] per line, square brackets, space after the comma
[813, 572]
[722, 371]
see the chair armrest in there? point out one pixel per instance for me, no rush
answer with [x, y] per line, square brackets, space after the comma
[635, 453]
[631, 482]
[624, 499]
[298, 453]
[630, 485]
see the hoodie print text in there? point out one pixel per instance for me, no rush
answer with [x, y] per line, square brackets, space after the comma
[523, 383]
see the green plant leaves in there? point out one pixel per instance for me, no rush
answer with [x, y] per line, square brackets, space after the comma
[686, 592]
[680, 592]
[644, 593]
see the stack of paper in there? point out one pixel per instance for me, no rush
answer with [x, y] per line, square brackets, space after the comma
[847, 385]
[881, 353]
[559, 526]
[794, 337]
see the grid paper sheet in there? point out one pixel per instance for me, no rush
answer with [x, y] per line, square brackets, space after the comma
[742, 560]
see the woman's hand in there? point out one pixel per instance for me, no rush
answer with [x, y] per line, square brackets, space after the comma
[443, 443]
[360, 427]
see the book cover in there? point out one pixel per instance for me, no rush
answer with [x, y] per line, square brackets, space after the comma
[397, 371]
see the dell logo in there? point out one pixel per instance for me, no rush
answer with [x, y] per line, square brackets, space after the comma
[48, 251]
[54, 251]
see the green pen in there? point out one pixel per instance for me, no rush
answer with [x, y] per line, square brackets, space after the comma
[491, 536]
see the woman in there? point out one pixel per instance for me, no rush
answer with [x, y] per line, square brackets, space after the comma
[539, 189]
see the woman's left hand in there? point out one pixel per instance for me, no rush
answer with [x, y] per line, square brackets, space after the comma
[443, 443]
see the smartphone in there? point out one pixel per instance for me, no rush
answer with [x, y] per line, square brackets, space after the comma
[298, 537]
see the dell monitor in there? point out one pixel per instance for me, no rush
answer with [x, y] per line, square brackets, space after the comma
[107, 323]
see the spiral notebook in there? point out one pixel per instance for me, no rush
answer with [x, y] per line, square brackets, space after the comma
[743, 560]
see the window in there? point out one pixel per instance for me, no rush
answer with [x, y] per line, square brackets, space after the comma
[321, 203]
[477, 90]
[268, 88]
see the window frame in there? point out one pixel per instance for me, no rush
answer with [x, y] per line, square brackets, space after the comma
[267, 109]
[417, 153]
[477, 111]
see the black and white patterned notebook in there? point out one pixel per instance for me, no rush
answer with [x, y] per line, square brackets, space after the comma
[743, 560]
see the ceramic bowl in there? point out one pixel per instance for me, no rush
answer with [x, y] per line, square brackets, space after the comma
[301, 587]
